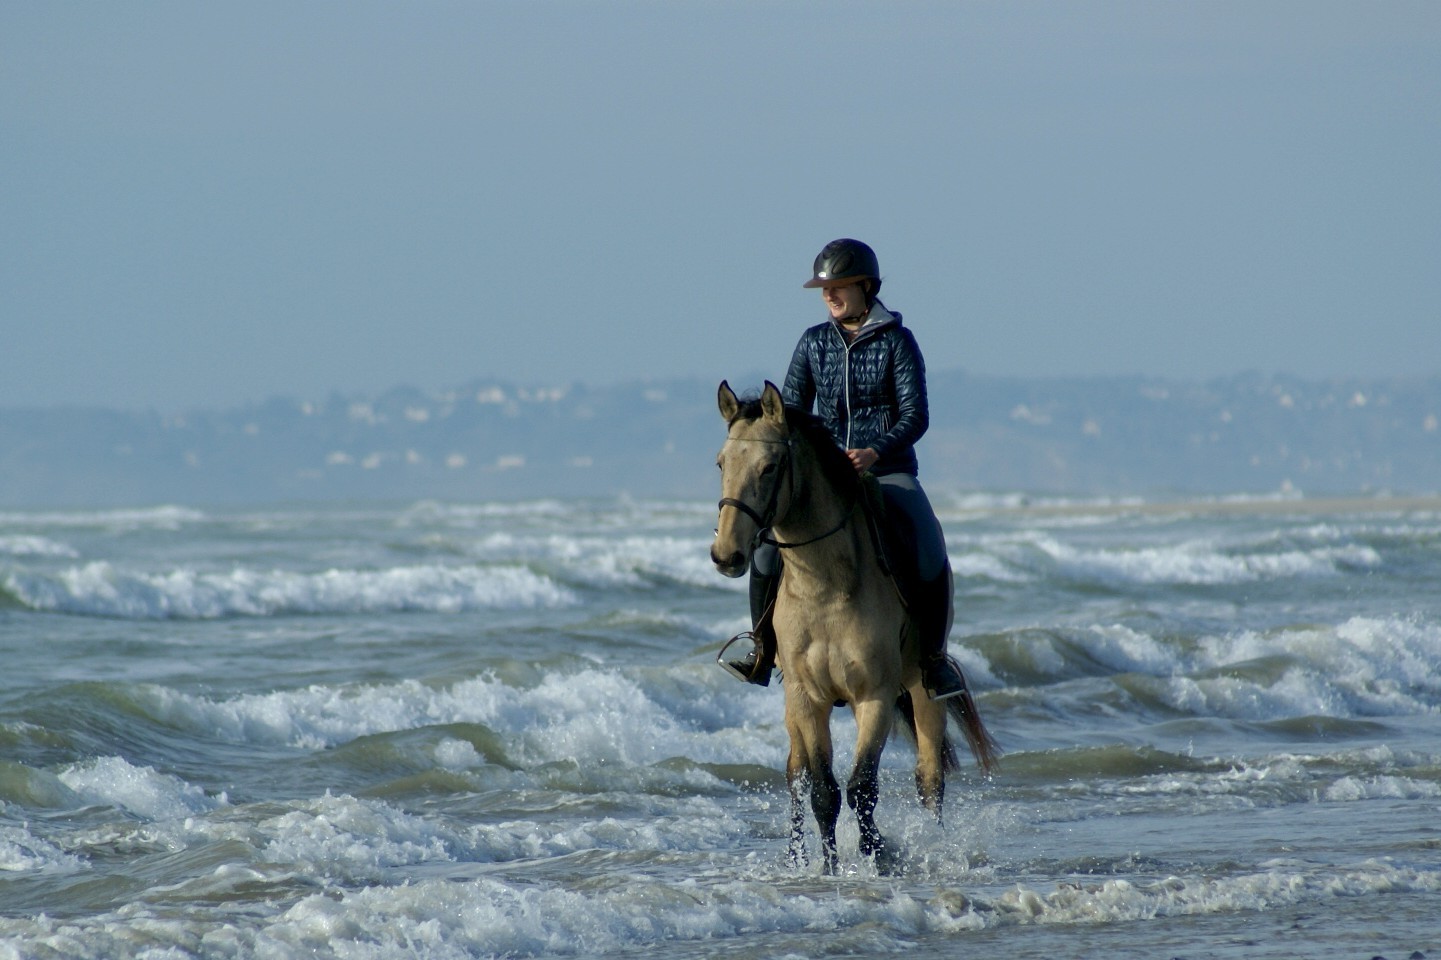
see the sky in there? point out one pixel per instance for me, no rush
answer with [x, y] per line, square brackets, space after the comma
[211, 204]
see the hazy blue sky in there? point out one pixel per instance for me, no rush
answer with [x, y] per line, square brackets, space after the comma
[207, 203]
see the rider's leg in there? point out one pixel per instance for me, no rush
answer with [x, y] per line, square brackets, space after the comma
[929, 590]
[755, 666]
[940, 675]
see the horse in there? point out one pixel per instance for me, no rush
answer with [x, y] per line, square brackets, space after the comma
[843, 636]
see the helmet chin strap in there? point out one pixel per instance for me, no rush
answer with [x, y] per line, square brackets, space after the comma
[865, 311]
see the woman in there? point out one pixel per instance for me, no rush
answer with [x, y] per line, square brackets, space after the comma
[863, 373]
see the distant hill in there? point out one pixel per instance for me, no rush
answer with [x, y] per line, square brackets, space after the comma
[497, 440]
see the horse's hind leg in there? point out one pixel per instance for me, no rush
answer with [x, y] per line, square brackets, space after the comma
[873, 723]
[931, 747]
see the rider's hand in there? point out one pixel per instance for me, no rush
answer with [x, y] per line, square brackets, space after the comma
[863, 459]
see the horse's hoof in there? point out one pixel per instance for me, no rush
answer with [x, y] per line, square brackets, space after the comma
[888, 861]
[884, 857]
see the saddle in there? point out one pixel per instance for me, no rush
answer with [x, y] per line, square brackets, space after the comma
[895, 549]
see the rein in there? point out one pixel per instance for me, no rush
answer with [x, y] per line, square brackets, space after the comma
[762, 523]
[805, 543]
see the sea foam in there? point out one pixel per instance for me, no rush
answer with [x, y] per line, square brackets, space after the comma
[491, 917]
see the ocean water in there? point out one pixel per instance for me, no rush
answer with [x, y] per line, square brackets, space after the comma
[498, 730]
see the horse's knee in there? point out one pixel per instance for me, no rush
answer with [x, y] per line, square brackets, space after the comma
[825, 799]
[863, 788]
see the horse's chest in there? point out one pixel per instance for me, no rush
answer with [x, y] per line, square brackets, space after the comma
[858, 616]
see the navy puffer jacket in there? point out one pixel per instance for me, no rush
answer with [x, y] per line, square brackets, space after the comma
[870, 392]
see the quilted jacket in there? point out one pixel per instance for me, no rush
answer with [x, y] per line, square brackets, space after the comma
[870, 392]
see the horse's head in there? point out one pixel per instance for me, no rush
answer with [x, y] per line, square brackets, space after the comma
[754, 464]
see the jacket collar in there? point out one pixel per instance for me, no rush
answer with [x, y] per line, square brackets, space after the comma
[878, 318]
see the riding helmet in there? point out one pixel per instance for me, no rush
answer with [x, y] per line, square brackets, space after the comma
[844, 261]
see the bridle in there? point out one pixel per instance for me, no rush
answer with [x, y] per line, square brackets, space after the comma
[764, 521]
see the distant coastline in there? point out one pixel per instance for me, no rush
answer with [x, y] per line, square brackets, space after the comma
[1228, 506]
[1161, 441]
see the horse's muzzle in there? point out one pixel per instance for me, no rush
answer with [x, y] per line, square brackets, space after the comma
[731, 566]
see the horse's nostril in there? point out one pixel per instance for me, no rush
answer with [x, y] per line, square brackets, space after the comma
[732, 561]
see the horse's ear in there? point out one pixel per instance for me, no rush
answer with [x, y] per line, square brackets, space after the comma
[726, 400]
[772, 405]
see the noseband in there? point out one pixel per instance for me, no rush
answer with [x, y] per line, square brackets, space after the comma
[765, 522]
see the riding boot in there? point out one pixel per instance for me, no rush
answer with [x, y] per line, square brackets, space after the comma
[755, 666]
[931, 609]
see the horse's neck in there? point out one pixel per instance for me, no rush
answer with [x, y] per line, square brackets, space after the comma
[821, 509]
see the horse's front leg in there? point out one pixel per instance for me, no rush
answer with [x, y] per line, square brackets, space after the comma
[873, 728]
[826, 806]
[825, 802]
[808, 772]
[800, 788]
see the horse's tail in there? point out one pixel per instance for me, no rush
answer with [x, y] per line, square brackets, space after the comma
[983, 746]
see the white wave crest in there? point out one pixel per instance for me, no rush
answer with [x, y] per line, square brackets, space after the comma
[1363, 667]
[146, 518]
[99, 589]
[29, 546]
[141, 791]
[1349, 789]
[1203, 563]
[608, 561]
[23, 852]
[599, 714]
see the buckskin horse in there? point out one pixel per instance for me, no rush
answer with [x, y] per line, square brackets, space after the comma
[843, 636]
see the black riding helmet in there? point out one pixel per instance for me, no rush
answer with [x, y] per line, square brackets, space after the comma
[844, 261]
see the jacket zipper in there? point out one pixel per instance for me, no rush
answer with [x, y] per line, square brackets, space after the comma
[846, 377]
[846, 383]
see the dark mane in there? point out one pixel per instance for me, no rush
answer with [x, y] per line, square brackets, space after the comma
[835, 466]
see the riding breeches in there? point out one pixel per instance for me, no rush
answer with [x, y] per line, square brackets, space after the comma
[909, 509]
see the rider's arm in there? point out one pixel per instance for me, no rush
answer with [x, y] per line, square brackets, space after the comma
[908, 379]
[800, 386]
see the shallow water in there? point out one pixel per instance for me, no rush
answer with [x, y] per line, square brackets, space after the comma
[498, 730]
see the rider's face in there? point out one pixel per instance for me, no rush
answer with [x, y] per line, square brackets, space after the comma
[845, 303]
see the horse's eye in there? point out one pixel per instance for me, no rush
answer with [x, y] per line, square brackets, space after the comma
[768, 469]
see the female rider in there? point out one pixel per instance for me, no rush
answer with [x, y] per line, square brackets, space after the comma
[863, 372]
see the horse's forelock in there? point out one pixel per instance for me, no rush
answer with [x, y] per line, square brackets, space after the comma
[749, 409]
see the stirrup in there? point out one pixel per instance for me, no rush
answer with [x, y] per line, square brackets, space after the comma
[732, 666]
[943, 680]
